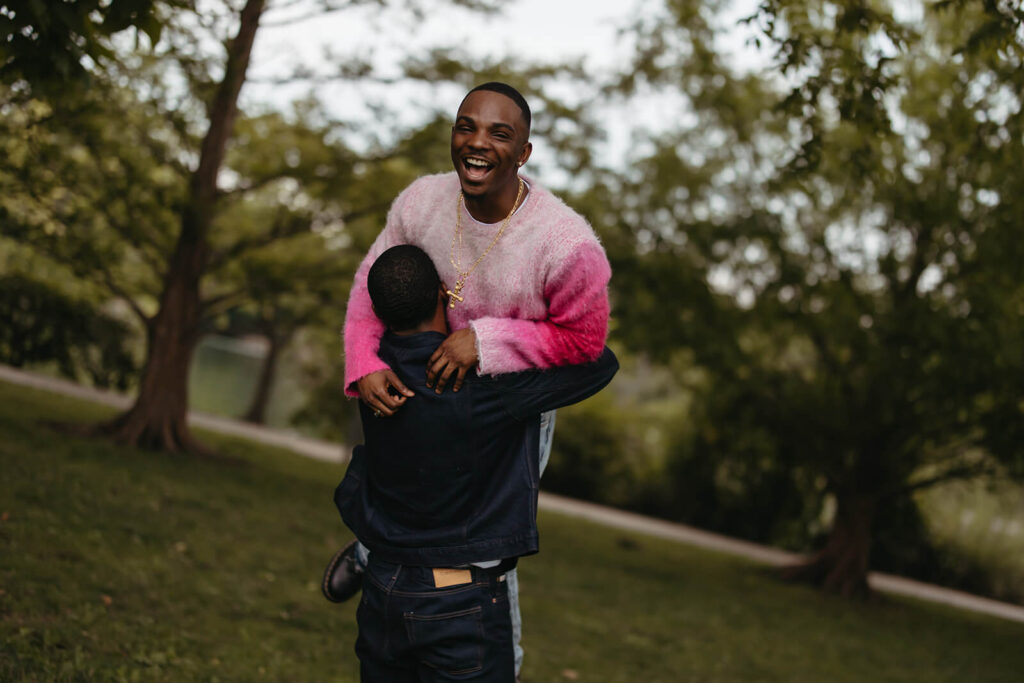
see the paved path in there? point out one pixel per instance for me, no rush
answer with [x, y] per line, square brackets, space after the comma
[618, 519]
[321, 450]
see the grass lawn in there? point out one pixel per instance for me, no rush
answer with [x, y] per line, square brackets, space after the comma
[117, 564]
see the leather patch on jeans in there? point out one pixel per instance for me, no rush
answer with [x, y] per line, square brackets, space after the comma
[452, 577]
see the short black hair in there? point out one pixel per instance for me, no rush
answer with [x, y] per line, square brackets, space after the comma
[509, 92]
[403, 285]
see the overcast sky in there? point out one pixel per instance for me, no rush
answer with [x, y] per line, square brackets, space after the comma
[535, 30]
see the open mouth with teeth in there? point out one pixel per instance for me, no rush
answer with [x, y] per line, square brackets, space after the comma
[476, 168]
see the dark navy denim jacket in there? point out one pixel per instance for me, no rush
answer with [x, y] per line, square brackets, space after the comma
[453, 478]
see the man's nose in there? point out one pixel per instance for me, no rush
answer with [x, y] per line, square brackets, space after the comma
[478, 138]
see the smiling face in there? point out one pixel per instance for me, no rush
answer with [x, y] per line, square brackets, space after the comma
[489, 143]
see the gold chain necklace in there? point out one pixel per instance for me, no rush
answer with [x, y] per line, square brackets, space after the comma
[462, 276]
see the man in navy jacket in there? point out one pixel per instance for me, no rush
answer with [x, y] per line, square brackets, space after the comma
[444, 493]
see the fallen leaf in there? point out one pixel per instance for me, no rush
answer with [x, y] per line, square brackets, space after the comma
[107, 600]
[181, 546]
[571, 674]
[5, 516]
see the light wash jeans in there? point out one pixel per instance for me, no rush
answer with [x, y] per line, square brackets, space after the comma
[547, 433]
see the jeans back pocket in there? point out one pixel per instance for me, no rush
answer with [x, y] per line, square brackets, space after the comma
[451, 642]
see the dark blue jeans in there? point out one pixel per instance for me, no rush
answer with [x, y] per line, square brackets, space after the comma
[411, 631]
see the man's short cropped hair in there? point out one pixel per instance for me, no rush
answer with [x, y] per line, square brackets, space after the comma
[403, 285]
[509, 92]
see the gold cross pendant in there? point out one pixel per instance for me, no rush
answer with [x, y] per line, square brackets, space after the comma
[453, 296]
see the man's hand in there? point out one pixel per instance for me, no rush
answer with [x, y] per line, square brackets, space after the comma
[456, 355]
[373, 391]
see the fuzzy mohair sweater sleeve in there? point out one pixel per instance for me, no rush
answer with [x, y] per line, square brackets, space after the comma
[538, 299]
[363, 329]
[574, 329]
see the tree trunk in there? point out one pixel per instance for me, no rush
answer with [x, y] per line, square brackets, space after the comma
[258, 409]
[158, 419]
[842, 565]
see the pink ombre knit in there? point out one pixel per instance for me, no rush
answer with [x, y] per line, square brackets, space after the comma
[538, 299]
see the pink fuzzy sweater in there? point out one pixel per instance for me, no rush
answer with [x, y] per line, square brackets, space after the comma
[538, 299]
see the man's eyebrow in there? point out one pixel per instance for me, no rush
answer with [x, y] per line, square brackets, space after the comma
[497, 124]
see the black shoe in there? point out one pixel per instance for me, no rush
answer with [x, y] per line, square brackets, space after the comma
[341, 579]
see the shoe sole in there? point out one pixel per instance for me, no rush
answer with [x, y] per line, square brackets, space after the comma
[325, 584]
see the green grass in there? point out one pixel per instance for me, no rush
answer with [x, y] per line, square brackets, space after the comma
[117, 564]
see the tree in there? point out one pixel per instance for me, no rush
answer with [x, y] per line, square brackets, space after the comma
[843, 260]
[919, 333]
[43, 324]
[48, 43]
[158, 418]
[192, 138]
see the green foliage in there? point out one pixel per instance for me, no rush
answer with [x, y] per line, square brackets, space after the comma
[43, 325]
[842, 258]
[974, 528]
[103, 179]
[732, 480]
[366, 196]
[49, 42]
[327, 411]
[93, 181]
[593, 455]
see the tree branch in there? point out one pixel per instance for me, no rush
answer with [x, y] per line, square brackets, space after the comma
[281, 229]
[120, 181]
[919, 264]
[365, 211]
[962, 472]
[303, 17]
[156, 264]
[346, 74]
[252, 187]
[77, 263]
[115, 289]
[222, 302]
[222, 113]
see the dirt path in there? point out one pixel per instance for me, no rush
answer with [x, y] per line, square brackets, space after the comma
[618, 519]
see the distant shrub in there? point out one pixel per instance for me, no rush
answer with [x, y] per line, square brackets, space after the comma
[596, 455]
[43, 325]
[737, 485]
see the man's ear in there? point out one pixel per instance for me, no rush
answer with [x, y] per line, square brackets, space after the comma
[525, 154]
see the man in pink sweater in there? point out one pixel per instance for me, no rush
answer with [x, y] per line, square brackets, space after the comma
[526, 276]
[538, 298]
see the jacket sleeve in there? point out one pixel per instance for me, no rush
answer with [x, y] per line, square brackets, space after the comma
[530, 393]
[576, 327]
[363, 329]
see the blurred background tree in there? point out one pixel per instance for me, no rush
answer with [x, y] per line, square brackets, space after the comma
[197, 127]
[53, 43]
[839, 252]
